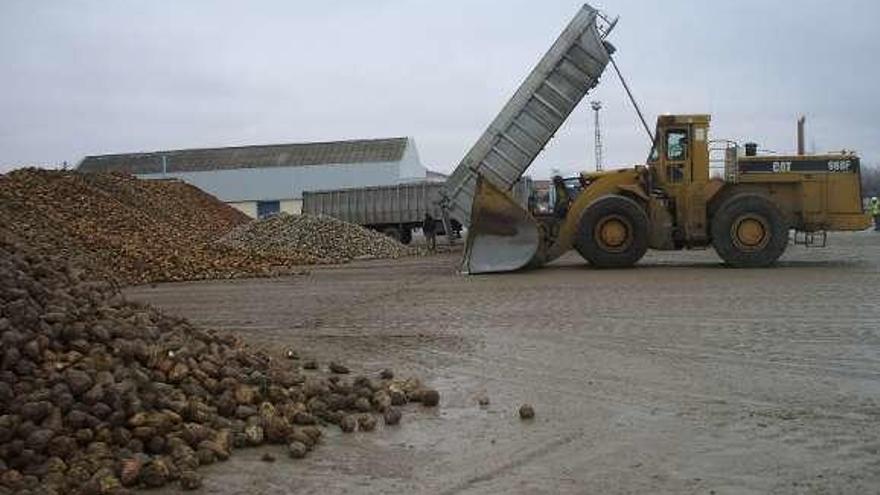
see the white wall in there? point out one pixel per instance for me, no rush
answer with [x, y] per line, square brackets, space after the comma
[246, 186]
[411, 168]
[249, 208]
[275, 183]
[292, 206]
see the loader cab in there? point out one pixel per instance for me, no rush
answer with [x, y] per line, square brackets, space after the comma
[679, 165]
[680, 155]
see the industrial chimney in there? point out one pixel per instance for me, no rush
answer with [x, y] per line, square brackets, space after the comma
[800, 135]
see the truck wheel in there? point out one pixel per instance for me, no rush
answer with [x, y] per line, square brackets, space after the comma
[406, 236]
[749, 231]
[613, 233]
[393, 232]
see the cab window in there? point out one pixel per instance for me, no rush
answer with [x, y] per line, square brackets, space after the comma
[676, 145]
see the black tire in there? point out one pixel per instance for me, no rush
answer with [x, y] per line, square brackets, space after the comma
[613, 233]
[749, 231]
[406, 236]
[393, 232]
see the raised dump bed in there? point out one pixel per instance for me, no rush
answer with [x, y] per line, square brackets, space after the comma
[539, 107]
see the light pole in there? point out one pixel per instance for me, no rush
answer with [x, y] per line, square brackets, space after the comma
[597, 106]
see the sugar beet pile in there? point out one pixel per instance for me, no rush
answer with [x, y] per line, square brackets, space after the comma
[98, 394]
[137, 231]
[318, 237]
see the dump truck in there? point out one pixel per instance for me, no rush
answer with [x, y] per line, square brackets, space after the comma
[669, 203]
[396, 210]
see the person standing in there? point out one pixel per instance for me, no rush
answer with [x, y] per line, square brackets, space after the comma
[562, 200]
[875, 212]
[429, 228]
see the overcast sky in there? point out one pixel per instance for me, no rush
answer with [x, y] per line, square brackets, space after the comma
[86, 77]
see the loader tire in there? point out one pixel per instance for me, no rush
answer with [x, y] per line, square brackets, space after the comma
[613, 233]
[749, 231]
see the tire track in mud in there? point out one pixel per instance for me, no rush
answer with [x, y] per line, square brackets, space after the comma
[532, 455]
[849, 367]
[506, 369]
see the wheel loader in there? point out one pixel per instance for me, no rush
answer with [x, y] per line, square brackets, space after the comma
[669, 203]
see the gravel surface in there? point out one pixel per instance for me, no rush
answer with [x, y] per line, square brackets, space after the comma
[678, 376]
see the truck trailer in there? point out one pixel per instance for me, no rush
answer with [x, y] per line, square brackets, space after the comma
[396, 210]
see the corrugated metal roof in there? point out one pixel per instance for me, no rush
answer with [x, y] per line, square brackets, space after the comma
[265, 156]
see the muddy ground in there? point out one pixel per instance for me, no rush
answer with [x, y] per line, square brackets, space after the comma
[678, 376]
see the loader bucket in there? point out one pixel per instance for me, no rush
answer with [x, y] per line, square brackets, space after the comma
[502, 237]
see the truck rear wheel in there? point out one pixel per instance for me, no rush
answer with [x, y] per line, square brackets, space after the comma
[749, 231]
[393, 232]
[406, 236]
[613, 233]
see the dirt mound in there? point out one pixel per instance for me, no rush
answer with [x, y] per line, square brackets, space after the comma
[324, 238]
[129, 230]
[98, 394]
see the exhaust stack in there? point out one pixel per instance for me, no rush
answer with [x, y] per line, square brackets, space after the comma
[800, 135]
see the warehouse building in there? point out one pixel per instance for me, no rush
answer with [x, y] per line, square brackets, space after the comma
[261, 180]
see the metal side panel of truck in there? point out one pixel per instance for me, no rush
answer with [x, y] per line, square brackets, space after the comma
[569, 70]
[382, 205]
[400, 204]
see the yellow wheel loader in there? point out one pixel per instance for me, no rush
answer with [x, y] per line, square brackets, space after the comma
[670, 203]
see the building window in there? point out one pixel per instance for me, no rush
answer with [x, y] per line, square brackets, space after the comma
[267, 208]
